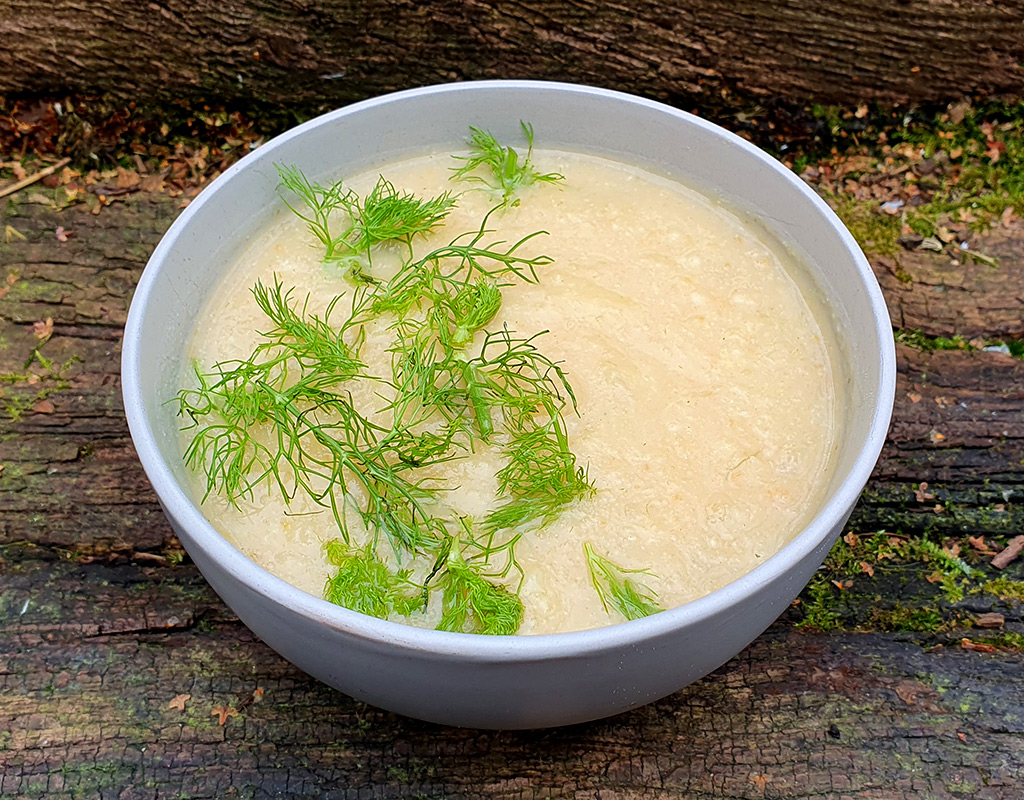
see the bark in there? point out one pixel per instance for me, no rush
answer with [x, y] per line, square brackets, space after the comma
[681, 50]
[957, 296]
[88, 671]
[100, 629]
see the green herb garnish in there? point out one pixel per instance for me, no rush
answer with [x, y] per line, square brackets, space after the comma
[364, 583]
[506, 171]
[615, 588]
[387, 215]
[473, 604]
[285, 416]
[384, 215]
[320, 203]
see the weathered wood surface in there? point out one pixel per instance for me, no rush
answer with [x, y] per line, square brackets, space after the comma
[971, 300]
[99, 629]
[336, 51]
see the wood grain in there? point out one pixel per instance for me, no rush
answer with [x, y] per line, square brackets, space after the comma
[336, 51]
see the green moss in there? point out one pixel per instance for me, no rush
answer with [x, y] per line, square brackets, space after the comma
[987, 147]
[1005, 641]
[98, 775]
[831, 116]
[33, 385]
[1005, 589]
[875, 231]
[863, 574]
[922, 341]
[952, 588]
[820, 606]
[900, 618]
[978, 173]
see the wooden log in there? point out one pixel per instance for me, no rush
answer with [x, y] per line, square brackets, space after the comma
[91, 657]
[336, 51]
[100, 630]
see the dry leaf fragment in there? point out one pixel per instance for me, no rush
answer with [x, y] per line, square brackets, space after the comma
[152, 183]
[43, 329]
[962, 738]
[1009, 553]
[990, 619]
[179, 701]
[222, 713]
[908, 691]
[957, 111]
[914, 397]
[255, 697]
[978, 543]
[43, 407]
[978, 647]
[126, 178]
[11, 233]
[936, 437]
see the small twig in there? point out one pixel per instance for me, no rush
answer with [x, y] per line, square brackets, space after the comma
[17, 187]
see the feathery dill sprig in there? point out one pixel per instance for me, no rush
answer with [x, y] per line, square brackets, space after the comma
[311, 340]
[507, 171]
[384, 215]
[449, 269]
[364, 583]
[301, 363]
[285, 416]
[388, 215]
[540, 477]
[615, 588]
[320, 203]
[281, 416]
[473, 604]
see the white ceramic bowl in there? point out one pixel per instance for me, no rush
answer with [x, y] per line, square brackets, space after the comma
[525, 681]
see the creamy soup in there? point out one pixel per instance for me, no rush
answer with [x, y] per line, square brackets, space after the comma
[706, 404]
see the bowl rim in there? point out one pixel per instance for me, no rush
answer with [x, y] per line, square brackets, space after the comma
[478, 647]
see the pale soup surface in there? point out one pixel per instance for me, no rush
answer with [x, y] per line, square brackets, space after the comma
[707, 410]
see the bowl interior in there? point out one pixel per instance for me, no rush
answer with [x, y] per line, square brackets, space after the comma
[191, 259]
